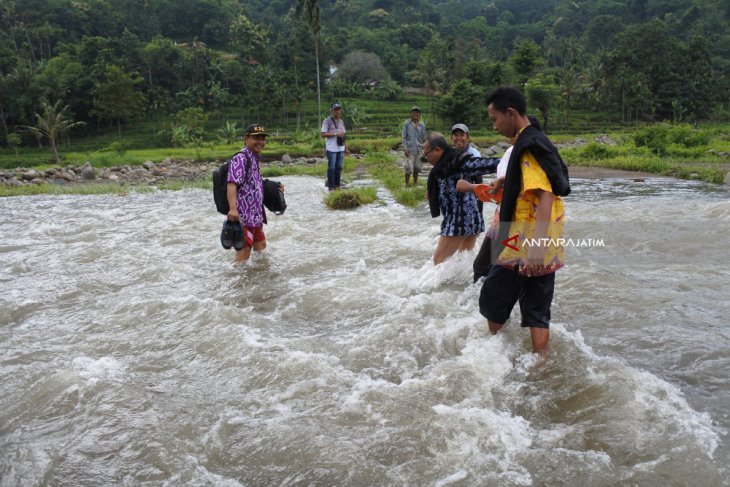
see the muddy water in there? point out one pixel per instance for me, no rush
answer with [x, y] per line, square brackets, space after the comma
[133, 352]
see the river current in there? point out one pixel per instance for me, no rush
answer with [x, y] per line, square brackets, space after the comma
[134, 353]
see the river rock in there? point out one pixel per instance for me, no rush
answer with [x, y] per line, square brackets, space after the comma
[139, 173]
[727, 178]
[29, 175]
[67, 175]
[88, 173]
[286, 159]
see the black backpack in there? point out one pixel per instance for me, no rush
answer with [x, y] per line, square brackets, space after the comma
[220, 185]
[273, 198]
[220, 188]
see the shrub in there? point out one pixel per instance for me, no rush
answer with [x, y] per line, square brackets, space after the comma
[595, 151]
[658, 137]
[687, 136]
[228, 133]
[342, 200]
[654, 137]
[387, 90]
[342, 88]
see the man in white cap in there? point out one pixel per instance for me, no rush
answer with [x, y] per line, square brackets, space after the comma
[460, 139]
[414, 135]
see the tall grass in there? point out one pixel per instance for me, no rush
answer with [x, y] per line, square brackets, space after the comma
[351, 198]
[383, 167]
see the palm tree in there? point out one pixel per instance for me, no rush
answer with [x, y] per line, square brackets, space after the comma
[52, 125]
[311, 9]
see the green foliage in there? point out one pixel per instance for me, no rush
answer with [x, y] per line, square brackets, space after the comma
[350, 198]
[341, 88]
[361, 67]
[355, 115]
[686, 136]
[541, 94]
[655, 138]
[126, 63]
[13, 140]
[525, 60]
[660, 138]
[248, 38]
[596, 151]
[229, 133]
[120, 148]
[307, 136]
[485, 74]
[462, 104]
[115, 96]
[52, 124]
[189, 127]
[654, 72]
[383, 168]
[387, 90]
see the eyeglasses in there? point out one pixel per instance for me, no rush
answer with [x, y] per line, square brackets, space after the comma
[425, 153]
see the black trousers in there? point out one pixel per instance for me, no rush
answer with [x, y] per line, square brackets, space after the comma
[483, 260]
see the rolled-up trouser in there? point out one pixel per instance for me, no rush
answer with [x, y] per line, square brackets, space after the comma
[412, 163]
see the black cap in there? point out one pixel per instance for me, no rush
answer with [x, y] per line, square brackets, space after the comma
[335, 106]
[255, 129]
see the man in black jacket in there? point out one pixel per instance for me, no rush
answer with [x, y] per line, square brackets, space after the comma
[528, 249]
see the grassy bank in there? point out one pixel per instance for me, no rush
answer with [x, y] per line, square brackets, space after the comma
[679, 151]
[673, 150]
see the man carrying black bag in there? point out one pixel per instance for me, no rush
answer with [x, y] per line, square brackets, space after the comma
[245, 191]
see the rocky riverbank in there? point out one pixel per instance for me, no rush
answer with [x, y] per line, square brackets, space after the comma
[147, 173]
[150, 173]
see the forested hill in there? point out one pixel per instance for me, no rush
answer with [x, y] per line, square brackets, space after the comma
[112, 61]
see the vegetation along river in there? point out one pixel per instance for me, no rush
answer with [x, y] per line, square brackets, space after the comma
[134, 353]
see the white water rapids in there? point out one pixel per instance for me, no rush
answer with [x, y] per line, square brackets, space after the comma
[134, 353]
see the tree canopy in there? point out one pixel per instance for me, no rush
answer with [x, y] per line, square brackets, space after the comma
[112, 61]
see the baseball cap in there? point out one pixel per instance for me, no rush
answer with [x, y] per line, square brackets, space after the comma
[415, 108]
[460, 126]
[335, 106]
[256, 129]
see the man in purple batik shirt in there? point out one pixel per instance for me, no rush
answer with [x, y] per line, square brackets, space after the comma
[246, 192]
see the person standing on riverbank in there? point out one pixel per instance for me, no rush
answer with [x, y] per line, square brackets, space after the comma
[413, 136]
[333, 129]
[245, 192]
[531, 211]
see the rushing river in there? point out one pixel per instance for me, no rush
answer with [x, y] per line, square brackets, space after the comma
[134, 353]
